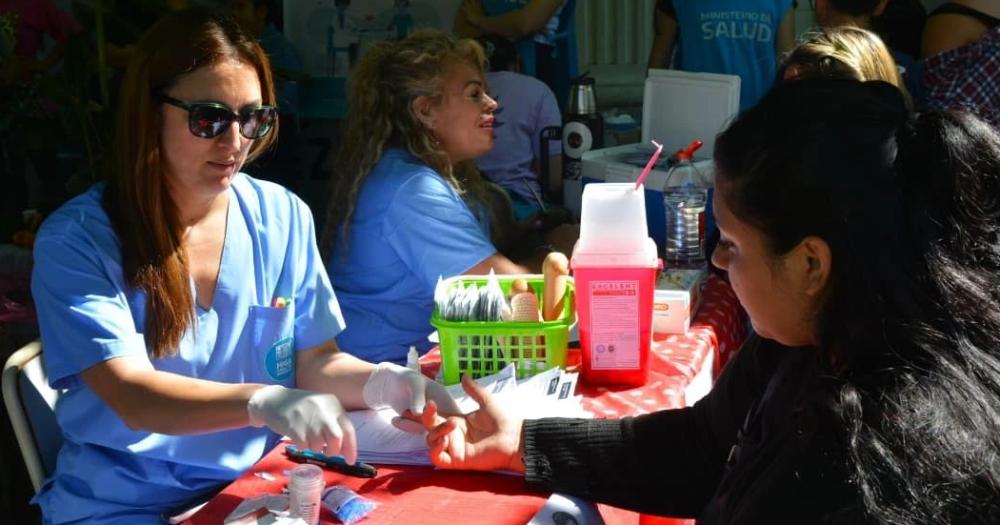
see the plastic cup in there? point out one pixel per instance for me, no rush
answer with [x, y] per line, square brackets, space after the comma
[305, 486]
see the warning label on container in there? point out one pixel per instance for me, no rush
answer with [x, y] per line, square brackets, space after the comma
[614, 325]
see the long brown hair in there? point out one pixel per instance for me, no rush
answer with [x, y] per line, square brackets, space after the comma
[383, 86]
[136, 199]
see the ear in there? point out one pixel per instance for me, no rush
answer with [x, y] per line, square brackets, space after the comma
[813, 262]
[423, 109]
[791, 72]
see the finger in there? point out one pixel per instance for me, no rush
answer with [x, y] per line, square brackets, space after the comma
[418, 394]
[334, 437]
[349, 447]
[410, 426]
[332, 442]
[299, 438]
[476, 391]
[429, 417]
[439, 454]
[441, 430]
[316, 441]
[442, 399]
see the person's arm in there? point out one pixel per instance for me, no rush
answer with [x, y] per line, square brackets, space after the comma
[326, 369]
[784, 41]
[502, 265]
[517, 24]
[667, 463]
[470, 9]
[664, 38]
[948, 31]
[149, 400]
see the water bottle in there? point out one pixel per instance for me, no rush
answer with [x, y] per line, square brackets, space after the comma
[684, 202]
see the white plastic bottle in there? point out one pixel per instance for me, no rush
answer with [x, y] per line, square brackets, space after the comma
[684, 200]
[413, 359]
[305, 487]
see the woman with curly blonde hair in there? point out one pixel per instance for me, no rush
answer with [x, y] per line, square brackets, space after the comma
[397, 217]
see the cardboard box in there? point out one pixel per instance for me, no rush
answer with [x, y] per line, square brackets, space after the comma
[676, 299]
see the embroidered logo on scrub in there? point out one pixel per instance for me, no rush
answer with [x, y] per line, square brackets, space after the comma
[279, 359]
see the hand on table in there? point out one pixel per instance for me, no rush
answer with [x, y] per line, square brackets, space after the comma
[313, 420]
[487, 439]
[406, 391]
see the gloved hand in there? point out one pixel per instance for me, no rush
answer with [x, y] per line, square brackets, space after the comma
[313, 420]
[404, 389]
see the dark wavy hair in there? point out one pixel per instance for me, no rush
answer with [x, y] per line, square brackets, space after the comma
[910, 327]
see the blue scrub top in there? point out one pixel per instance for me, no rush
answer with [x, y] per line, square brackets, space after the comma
[408, 228]
[108, 473]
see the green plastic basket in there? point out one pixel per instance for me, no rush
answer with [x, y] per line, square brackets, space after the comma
[481, 348]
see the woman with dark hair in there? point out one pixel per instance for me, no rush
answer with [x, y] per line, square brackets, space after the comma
[864, 244]
[183, 306]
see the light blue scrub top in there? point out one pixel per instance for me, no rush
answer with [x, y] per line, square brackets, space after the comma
[107, 473]
[408, 228]
[734, 37]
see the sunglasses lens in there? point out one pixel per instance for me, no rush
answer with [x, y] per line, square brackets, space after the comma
[256, 123]
[208, 121]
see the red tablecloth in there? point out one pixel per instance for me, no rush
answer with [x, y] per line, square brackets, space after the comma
[424, 495]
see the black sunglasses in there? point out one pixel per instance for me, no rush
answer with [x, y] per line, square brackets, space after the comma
[211, 119]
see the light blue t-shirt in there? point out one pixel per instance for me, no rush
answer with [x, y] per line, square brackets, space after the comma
[528, 107]
[734, 37]
[107, 473]
[409, 227]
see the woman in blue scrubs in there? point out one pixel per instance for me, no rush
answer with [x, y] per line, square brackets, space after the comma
[184, 310]
[397, 217]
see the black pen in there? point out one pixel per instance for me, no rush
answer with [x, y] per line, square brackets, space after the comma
[334, 463]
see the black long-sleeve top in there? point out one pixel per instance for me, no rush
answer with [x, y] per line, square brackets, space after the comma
[787, 467]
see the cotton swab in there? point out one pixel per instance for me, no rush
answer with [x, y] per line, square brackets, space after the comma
[649, 165]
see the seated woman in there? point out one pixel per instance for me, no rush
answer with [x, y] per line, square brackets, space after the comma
[864, 243]
[397, 217]
[183, 305]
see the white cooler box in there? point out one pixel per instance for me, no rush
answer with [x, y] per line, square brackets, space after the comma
[677, 107]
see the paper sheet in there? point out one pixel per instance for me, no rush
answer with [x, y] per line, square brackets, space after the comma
[550, 393]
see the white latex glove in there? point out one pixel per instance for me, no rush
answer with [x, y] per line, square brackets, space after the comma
[401, 388]
[313, 420]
